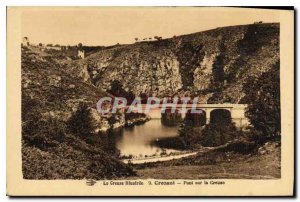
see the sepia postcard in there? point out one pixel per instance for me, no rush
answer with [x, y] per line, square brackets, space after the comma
[150, 101]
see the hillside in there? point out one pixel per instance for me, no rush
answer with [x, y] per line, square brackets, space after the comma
[49, 150]
[213, 64]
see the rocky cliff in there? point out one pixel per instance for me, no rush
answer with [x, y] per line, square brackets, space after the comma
[212, 64]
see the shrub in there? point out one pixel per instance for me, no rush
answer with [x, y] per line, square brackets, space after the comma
[189, 134]
[216, 134]
[39, 131]
[82, 123]
[220, 130]
[43, 132]
[263, 100]
[171, 119]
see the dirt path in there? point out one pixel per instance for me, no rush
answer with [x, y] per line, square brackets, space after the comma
[263, 165]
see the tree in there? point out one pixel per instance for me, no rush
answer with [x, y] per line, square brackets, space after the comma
[220, 130]
[136, 39]
[215, 134]
[111, 121]
[111, 138]
[116, 88]
[218, 66]
[171, 119]
[79, 45]
[81, 122]
[189, 134]
[158, 38]
[263, 99]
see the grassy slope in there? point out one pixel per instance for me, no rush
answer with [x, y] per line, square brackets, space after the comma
[55, 93]
[264, 165]
[47, 81]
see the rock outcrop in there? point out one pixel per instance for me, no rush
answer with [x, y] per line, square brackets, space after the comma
[213, 64]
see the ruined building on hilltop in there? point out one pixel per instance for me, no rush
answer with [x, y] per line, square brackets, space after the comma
[25, 41]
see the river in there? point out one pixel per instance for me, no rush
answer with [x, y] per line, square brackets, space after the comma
[136, 141]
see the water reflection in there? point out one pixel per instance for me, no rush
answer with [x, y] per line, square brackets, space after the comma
[137, 140]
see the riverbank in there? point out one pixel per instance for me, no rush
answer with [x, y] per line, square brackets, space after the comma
[125, 121]
[136, 121]
[158, 158]
[261, 164]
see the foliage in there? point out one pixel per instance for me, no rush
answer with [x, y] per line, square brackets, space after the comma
[171, 119]
[72, 159]
[49, 151]
[157, 38]
[111, 121]
[256, 39]
[38, 131]
[219, 97]
[220, 130]
[189, 56]
[218, 67]
[82, 123]
[189, 134]
[53, 148]
[110, 138]
[218, 134]
[263, 99]
[134, 115]
[43, 132]
[116, 89]
[177, 143]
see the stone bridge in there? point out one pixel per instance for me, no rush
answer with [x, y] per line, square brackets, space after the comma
[237, 112]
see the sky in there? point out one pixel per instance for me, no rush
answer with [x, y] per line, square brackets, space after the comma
[111, 25]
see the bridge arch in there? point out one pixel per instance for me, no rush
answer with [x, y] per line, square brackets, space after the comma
[220, 116]
[198, 119]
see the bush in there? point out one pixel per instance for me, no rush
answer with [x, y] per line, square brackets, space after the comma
[38, 131]
[215, 134]
[263, 100]
[82, 123]
[171, 119]
[220, 130]
[189, 134]
[43, 132]
[171, 143]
